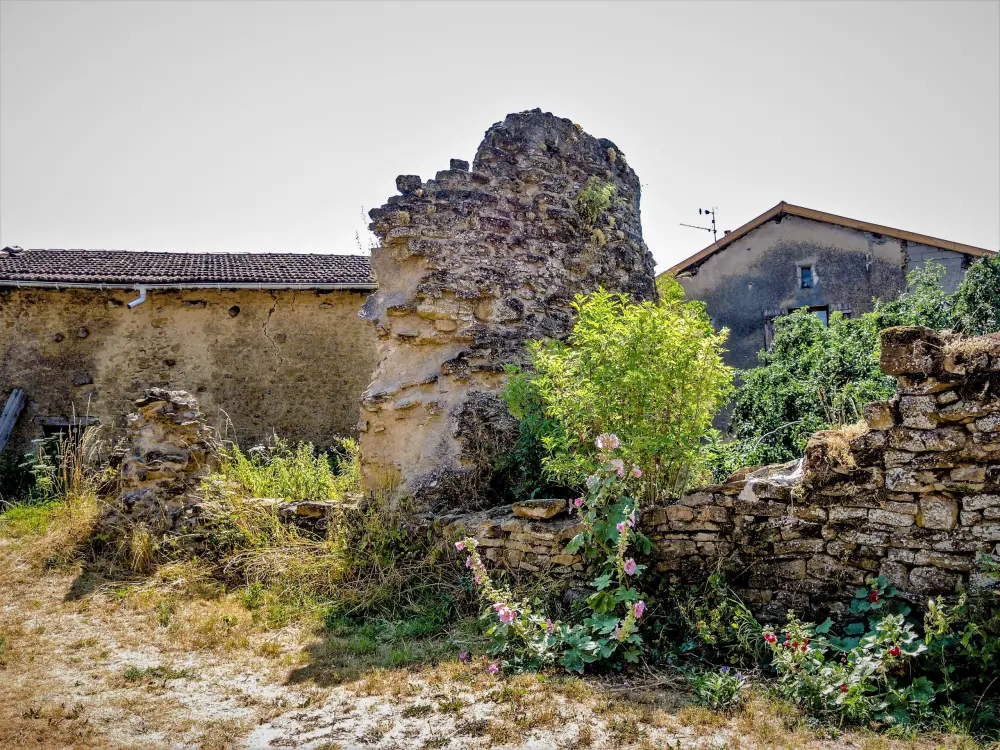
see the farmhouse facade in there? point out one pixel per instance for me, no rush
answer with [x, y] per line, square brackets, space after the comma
[792, 257]
[268, 342]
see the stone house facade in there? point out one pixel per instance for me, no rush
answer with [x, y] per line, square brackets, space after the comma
[269, 343]
[792, 257]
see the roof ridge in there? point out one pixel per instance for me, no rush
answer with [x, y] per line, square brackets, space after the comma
[790, 209]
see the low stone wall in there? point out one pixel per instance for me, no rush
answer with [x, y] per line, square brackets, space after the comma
[913, 494]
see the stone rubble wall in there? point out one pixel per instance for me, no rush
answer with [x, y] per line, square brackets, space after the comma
[169, 450]
[471, 266]
[913, 494]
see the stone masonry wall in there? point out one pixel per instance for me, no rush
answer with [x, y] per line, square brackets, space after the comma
[472, 265]
[912, 494]
[291, 362]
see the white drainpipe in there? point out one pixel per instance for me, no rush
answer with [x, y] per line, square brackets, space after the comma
[140, 299]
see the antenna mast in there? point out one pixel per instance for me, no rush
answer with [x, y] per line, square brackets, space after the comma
[707, 212]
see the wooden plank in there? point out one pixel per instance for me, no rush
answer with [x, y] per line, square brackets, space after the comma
[12, 410]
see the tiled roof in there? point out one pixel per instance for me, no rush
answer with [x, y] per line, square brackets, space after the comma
[139, 267]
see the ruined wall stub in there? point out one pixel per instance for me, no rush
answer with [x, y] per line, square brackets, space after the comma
[472, 265]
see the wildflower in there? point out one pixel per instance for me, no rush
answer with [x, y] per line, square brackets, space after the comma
[507, 615]
[550, 627]
[636, 471]
[618, 632]
[630, 567]
[578, 502]
[459, 546]
[498, 606]
[770, 637]
[607, 442]
[843, 688]
[803, 648]
[873, 597]
[621, 526]
[618, 466]
[724, 670]
[468, 561]
[894, 651]
[493, 668]
[479, 578]
[638, 608]
[464, 656]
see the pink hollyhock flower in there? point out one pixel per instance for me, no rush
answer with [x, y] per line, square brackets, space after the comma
[468, 561]
[770, 638]
[479, 578]
[618, 632]
[459, 546]
[550, 627]
[493, 668]
[621, 526]
[636, 471]
[578, 502]
[618, 466]
[498, 606]
[464, 656]
[630, 567]
[507, 615]
[638, 608]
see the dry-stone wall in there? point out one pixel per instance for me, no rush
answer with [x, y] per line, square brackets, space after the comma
[169, 451]
[913, 493]
[471, 266]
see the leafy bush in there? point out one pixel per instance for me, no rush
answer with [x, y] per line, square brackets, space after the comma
[721, 690]
[520, 631]
[976, 307]
[650, 373]
[815, 377]
[280, 470]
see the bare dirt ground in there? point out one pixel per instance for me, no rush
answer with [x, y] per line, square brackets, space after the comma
[86, 663]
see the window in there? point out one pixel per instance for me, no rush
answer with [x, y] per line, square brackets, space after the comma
[805, 277]
[820, 311]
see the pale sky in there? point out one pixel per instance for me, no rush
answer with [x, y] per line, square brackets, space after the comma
[259, 126]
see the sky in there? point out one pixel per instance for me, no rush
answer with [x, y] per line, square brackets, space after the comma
[258, 126]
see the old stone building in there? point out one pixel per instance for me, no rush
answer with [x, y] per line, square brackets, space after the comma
[267, 342]
[792, 257]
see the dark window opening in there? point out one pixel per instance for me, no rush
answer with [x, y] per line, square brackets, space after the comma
[806, 277]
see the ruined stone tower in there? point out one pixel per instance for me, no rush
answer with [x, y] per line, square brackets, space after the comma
[471, 266]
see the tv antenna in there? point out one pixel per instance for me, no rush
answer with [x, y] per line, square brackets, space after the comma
[707, 212]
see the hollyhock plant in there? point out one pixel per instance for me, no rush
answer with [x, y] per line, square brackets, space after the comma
[630, 567]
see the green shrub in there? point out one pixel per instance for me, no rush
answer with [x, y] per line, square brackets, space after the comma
[815, 377]
[279, 470]
[719, 690]
[650, 373]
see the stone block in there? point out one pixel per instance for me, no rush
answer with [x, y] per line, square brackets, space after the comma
[979, 502]
[839, 514]
[919, 412]
[937, 512]
[539, 508]
[888, 518]
[932, 581]
[880, 415]
[916, 441]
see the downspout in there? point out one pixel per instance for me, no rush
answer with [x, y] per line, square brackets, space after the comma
[140, 299]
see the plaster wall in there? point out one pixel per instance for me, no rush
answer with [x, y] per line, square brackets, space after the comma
[759, 274]
[291, 362]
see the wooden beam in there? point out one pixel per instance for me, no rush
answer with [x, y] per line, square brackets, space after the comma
[12, 410]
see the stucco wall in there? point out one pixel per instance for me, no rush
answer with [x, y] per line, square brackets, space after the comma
[759, 272]
[295, 362]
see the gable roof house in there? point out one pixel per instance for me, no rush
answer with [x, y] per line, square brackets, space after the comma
[791, 257]
[268, 342]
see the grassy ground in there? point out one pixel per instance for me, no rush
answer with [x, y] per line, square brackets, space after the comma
[91, 659]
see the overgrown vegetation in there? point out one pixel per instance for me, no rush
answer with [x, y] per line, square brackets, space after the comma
[650, 373]
[815, 377]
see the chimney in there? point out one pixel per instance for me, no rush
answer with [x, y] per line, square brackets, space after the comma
[11, 252]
